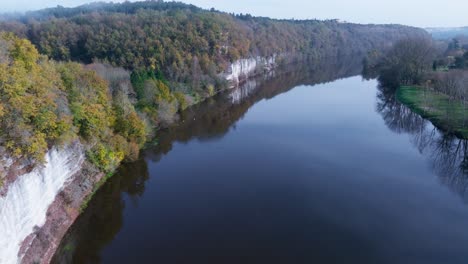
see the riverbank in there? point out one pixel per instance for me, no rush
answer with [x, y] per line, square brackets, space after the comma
[41, 245]
[168, 203]
[448, 114]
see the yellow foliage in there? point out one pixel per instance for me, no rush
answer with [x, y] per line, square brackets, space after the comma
[44, 103]
[30, 87]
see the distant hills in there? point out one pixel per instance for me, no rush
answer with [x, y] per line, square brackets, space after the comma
[448, 32]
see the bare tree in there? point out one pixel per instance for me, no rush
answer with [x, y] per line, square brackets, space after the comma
[4, 51]
[408, 61]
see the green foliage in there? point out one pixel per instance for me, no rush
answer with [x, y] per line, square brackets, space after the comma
[105, 157]
[211, 90]
[109, 121]
[138, 79]
[132, 128]
[43, 103]
[89, 99]
[29, 105]
[180, 97]
[187, 44]
[165, 45]
[156, 99]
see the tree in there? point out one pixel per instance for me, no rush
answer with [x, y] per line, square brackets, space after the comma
[407, 62]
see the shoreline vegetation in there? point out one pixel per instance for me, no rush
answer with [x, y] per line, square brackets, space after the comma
[110, 75]
[429, 77]
[116, 73]
[448, 114]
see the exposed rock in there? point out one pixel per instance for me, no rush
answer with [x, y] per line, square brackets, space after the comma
[243, 69]
[40, 246]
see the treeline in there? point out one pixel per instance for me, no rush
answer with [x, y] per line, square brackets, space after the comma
[407, 62]
[45, 103]
[146, 61]
[421, 62]
[188, 45]
[450, 70]
[409, 71]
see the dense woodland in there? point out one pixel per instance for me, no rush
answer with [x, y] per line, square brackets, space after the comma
[46, 103]
[185, 43]
[111, 73]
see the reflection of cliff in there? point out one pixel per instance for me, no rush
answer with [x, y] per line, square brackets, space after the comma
[103, 219]
[448, 154]
[214, 118]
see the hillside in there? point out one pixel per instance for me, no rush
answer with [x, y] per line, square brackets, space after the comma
[447, 33]
[173, 55]
[184, 42]
[84, 89]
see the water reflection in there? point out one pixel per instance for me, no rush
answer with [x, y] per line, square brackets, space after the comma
[213, 119]
[447, 154]
[103, 219]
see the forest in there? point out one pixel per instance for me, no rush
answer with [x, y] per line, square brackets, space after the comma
[113, 73]
[187, 45]
[47, 103]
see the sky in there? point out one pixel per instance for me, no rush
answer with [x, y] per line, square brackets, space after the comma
[420, 13]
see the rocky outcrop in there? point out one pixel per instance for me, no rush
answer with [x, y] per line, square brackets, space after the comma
[243, 69]
[39, 204]
[41, 245]
[37, 207]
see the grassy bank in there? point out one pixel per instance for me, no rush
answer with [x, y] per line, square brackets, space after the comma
[445, 113]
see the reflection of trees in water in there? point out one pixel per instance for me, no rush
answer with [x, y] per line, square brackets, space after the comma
[398, 117]
[214, 118]
[450, 163]
[447, 153]
[103, 219]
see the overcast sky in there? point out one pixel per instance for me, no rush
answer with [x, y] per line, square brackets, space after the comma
[422, 13]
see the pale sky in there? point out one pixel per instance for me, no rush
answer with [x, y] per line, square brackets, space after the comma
[421, 13]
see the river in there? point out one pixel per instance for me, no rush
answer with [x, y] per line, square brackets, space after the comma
[312, 164]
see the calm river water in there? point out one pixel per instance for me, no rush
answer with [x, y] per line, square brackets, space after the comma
[311, 165]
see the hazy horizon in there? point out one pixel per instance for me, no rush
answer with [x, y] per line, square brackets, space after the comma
[417, 13]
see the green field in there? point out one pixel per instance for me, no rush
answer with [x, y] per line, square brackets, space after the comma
[447, 114]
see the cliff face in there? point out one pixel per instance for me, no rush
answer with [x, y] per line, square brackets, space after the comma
[30, 204]
[26, 201]
[39, 204]
[242, 69]
[40, 246]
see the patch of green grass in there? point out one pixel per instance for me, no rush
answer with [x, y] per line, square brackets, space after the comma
[447, 114]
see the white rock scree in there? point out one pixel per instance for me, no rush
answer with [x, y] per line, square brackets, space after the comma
[25, 205]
